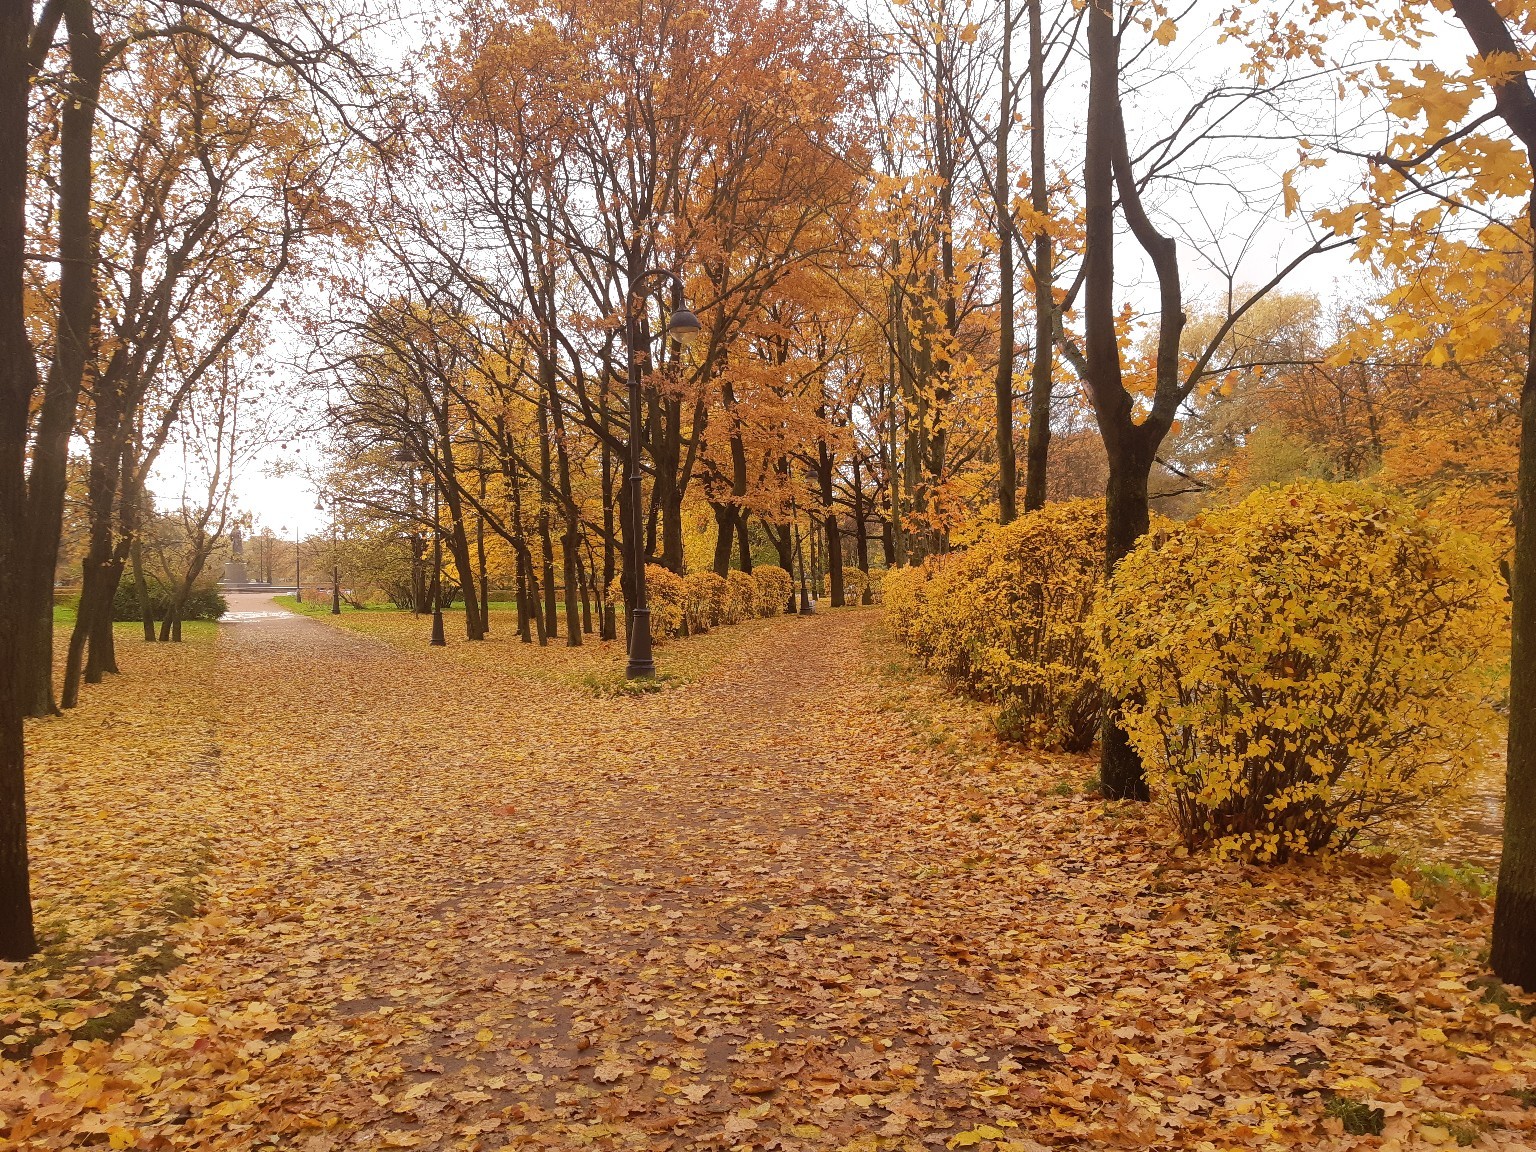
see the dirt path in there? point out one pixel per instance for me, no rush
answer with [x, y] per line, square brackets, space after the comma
[458, 903]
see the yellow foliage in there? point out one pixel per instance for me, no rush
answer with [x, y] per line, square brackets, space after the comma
[740, 597]
[773, 588]
[1005, 619]
[854, 584]
[1303, 665]
[667, 596]
[704, 600]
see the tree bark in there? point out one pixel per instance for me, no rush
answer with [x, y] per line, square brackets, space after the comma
[1120, 770]
[1513, 955]
[48, 479]
[1037, 451]
[18, 384]
[1007, 467]
[725, 535]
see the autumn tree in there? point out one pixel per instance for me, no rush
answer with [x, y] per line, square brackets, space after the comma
[1136, 405]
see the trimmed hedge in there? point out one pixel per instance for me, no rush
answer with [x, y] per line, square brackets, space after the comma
[204, 602]
[1006, 621]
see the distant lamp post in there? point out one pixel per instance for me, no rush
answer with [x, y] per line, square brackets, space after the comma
[298, 577]
[683, 327]
[335, 565]
[806, 608]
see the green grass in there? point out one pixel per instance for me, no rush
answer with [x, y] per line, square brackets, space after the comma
[1358, 1118]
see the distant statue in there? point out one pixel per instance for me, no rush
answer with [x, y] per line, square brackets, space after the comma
[237, 544]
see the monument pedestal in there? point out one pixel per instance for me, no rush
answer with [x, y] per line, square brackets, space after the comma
[234, 573]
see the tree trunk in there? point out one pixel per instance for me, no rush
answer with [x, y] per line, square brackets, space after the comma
[725, 535]
[1007, 468]
[101, 654]
[1120, 771]
[861, 532]
[72, 335]
[1514, 911]
[1037, 451]
[18, 384]
[610, 629]
[668, 497]
[743, 541]
[783, 543]
[141, 589]
[1127, 513]
[546, 534]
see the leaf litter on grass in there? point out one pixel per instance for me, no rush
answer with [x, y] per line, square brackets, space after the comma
[448, 900]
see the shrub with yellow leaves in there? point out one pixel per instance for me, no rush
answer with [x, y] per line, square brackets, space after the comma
[854, 583]
[1303, 665]
[773, 587]
[1006, 620]
[704, 600]
[666, 595]
[740, 597]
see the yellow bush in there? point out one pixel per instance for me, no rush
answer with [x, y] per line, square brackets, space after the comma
[704, 600]
[901, 593]
[773, 585]
[1303, 665]
[854, 583]
[667, 597]
[740, 597]
[1006, 619]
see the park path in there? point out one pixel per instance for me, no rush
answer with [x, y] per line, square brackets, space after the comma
[511, 907]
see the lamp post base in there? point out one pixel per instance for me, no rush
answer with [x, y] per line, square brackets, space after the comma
[641, 666]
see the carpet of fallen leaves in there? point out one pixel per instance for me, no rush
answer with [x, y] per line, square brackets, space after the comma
[346, 891]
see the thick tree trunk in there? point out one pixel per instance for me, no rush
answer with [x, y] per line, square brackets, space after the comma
[101, 492]
[861, 532]
[1513, 956]
[1120, 771]
[743, 541]
[546, 533]
[725, 535]
[18, 383]
[1514, 911]
[568, 545]
[101, 653]
[783, 543]
[49, 478]
[669, 488]
[610, 629]
[1127, 513]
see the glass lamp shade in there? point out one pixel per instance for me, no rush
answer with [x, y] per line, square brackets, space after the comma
[684, 327]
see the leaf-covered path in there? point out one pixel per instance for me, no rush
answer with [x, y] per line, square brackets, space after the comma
[454, 899]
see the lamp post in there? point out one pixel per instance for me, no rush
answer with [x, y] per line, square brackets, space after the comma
[806, 609]
[298, 578]
[320, 505]
[683, 327]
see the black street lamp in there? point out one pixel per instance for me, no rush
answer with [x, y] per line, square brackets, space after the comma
[683, 327]
[298, 577]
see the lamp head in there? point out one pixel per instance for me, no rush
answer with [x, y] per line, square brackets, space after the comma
[684, 327]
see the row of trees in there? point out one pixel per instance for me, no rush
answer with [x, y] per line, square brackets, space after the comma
[918, 239]
[164, 166]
